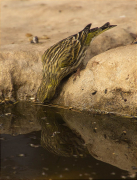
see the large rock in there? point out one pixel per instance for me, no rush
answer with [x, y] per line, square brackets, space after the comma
[108, 83]
[21, 71]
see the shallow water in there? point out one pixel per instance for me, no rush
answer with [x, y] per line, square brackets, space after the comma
[41, 142]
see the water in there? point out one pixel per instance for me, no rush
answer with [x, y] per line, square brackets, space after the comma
[40, 142]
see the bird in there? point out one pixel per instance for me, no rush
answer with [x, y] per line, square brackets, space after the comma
[64, 58]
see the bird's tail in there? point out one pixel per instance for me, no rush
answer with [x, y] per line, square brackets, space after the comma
[96, 31]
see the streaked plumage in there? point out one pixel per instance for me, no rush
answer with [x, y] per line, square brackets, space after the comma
[64, 57]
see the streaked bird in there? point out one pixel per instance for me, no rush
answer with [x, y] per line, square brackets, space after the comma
[65, 57]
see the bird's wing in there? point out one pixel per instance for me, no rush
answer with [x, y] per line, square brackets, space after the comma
[69, 53]
[74, 48]
[65, 52]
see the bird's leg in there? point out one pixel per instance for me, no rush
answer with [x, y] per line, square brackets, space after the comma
[77, 73]
[135, 38]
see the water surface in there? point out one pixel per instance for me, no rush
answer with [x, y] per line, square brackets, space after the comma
[41, 142]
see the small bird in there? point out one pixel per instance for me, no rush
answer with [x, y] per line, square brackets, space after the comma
[65, 57]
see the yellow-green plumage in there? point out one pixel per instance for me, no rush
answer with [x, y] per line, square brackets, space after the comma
[64, 57]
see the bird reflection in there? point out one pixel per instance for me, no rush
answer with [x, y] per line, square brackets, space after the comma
[58, 138]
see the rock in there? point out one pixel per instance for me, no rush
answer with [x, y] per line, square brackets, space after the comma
[21, 65]
[109, 83]
[21, 71]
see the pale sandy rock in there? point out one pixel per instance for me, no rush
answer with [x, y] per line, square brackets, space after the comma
[21, 72]
[108, 83]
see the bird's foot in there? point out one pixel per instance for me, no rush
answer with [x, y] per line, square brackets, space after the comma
[77, 73]
[135, 38]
